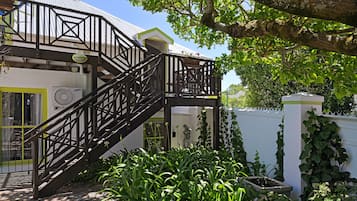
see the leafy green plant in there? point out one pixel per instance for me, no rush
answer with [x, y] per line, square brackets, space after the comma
[279, 169]
[180, 174]
[323, 154]
[340, 191]
[256, 167]
[224, 134]
[238, 151]
[204, 139]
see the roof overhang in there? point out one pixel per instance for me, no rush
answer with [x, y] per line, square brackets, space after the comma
[154, 34]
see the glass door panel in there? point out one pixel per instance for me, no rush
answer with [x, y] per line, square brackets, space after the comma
[32, 109]
[11, 109]
[21, 110]
[11, 144]
[27, 148]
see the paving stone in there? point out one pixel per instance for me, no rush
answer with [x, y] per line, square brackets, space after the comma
[17, 187]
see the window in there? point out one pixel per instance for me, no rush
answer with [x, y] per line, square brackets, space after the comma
[154, 134]
[21, 109]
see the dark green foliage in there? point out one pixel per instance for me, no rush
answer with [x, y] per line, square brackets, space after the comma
[238, 151]
[279, 169]
[224, 138]
[332, 103]
[288, 60]
[323, 154]
[204, 139]
[180, 174]
[265, 89]
[257, 168]
[92, 172]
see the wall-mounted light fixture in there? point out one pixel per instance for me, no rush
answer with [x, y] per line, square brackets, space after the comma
[79, 58]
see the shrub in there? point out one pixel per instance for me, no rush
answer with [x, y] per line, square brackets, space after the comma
[179, 174]
[257, 168]
[339, 191]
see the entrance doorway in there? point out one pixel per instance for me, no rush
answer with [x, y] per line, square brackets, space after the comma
[21, 109]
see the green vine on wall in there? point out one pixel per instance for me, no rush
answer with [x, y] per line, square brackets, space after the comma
[204, 139]
[224, 134]
[279, 169]
[323, 154]
[238, 152]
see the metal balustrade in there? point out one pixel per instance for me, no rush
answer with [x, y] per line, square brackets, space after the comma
[45, 26]
[74, 133]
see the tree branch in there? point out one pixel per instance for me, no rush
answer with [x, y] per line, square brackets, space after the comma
[208, 17]
[342, 31]
[287, 31]
[344, 11]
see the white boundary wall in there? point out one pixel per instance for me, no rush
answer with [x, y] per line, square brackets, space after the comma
[259, 129]
[348, 133]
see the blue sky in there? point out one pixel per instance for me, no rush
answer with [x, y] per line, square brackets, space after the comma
[135, 15]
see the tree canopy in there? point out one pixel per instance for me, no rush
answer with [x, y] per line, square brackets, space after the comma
[306, 41]
[235, 96]
[263, 91]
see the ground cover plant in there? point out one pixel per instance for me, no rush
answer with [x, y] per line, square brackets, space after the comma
[179, 174]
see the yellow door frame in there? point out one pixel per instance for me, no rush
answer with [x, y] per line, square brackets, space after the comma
[43, 93]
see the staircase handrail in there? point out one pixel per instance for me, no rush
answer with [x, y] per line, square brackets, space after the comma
[88, 98]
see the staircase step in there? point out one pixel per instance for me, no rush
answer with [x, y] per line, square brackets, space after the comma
[44, 184]
[107, 77]
[71, 162]
[56, 174]
[100, 68]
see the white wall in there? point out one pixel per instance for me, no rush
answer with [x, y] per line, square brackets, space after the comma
[259, 129]
[181, 116]
[132, 141]
[45, 79]
[348, 133]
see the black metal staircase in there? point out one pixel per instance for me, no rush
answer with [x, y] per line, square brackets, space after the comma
[83, 132]
[137, 86]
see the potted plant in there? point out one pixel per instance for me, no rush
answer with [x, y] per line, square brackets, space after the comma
[266, 184]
